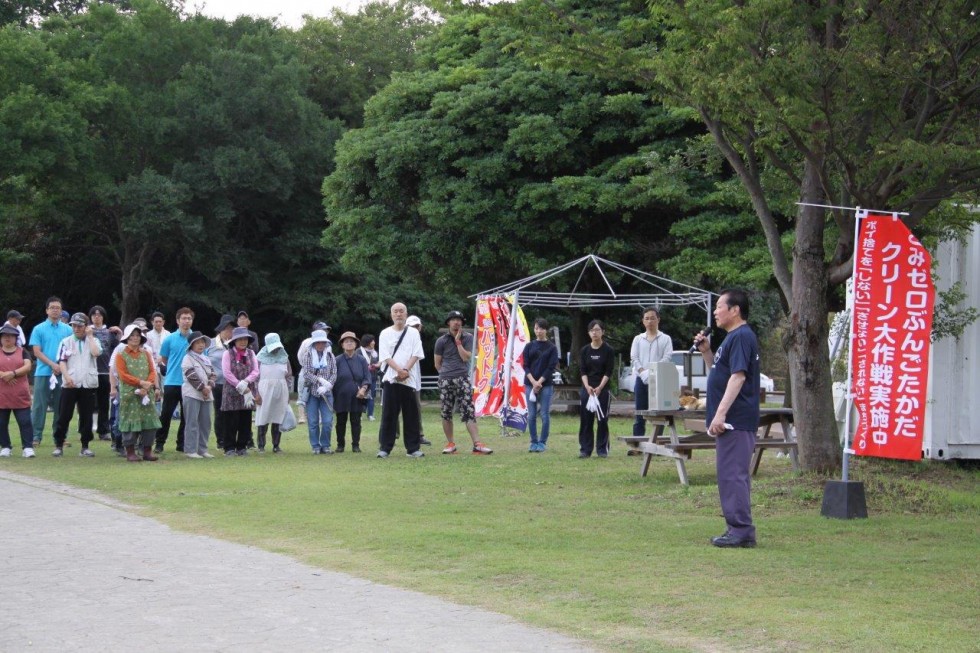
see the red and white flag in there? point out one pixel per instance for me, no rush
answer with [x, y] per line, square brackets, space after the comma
[890, 334]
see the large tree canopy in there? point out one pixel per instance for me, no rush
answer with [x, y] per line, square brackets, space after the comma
[480, 166]
[179, 153]
[846, 102]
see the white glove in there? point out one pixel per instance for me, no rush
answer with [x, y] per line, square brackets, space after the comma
[249, 399]
[593, 406]
[532, 396]
[53, 383]
[242, 387]
[325, 386]
[146, 400]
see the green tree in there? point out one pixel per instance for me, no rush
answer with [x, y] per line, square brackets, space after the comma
[191, 162]
[479, 166]
[350, 57]
[855, 103]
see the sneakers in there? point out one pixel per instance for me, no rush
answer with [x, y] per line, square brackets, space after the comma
[86, 453]
[57, 453]
[325, 451]
[195, 456]
[231, 453]
[158, 449]
[339, 449]
[276, 450]
[422, 440]
[450, 448]
[29, 453]
[316, 451]
[370, 418]
[382, 454]
[206, 455]
[416, 454]
[481, 449]
[5, 452]
[241, 452]
[355, 449]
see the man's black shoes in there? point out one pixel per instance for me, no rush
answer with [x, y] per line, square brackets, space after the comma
[728, 541]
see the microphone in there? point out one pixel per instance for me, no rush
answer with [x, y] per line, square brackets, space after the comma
[694, 347]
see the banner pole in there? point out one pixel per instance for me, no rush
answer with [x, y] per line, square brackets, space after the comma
[849, 389]
[509, 357]
[844, 499]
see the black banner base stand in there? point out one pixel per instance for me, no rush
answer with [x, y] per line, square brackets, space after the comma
[844, 500]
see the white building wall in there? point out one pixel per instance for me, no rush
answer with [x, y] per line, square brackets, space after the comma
[952, 415]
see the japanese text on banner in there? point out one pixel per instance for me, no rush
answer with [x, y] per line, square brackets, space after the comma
[890, 331]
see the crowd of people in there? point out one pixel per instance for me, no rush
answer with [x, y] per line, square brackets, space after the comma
[127, 384]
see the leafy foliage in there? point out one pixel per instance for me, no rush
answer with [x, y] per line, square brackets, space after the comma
[480, 166]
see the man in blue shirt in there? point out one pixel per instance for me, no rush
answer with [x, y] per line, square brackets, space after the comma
[733, 414]
[45, 340]
[171, 354]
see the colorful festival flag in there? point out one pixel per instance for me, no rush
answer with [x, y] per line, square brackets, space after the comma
[493, 330]
[890, 335]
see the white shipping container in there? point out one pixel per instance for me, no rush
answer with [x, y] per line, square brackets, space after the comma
[952, 429]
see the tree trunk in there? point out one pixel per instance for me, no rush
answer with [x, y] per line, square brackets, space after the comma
[129, 305]
[809, 362]
[134, 260]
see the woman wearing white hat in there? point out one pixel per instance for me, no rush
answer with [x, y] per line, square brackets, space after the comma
[319, 375]
[274, 376]
[137, 393]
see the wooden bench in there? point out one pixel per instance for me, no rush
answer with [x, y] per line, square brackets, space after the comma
[665, 442]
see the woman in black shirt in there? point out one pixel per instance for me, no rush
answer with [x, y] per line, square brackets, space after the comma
[596, 363]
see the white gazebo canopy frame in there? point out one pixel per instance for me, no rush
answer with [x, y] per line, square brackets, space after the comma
[659, 295]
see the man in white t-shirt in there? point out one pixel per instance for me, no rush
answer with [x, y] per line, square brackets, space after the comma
[651, 346]
[77, 356]
[400, 350]
[156, 336]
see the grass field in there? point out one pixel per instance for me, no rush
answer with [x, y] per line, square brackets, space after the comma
[587, 547]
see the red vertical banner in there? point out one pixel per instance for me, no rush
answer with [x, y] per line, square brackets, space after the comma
[891, 328]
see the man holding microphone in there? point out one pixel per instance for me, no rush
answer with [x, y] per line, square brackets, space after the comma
[733, 414]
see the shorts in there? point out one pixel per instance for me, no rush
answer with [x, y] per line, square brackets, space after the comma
[453, 391]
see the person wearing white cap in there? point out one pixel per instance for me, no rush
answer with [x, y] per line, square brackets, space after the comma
[415, 322]
[319, 375]
[399, 349]
[77, 358]
[304, 348]
[274, 377]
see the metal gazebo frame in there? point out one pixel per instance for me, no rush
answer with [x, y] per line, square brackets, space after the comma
[524, 295]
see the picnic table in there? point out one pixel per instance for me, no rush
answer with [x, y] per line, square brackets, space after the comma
[664, 441]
